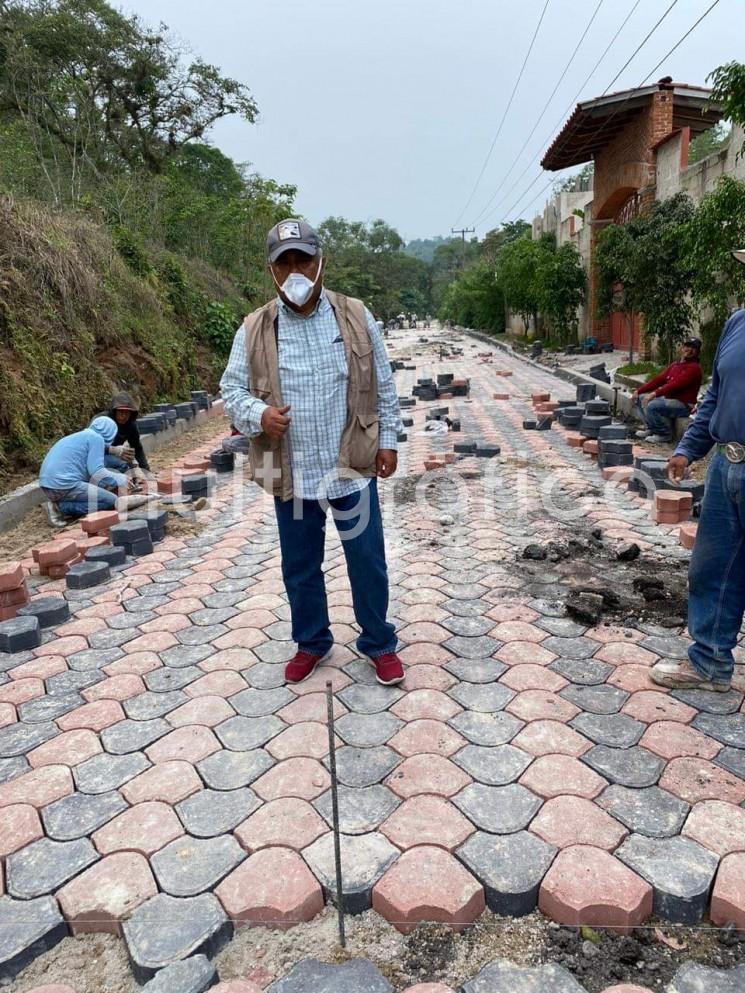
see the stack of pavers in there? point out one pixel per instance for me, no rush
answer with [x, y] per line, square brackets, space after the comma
[222, 461]
[195, 481]
[614, 448]
[599, 372]
[133, 536]
[56, 557]
[202, 399]
[650, 474]
[185, 411]
[425, 389]
[152, 423]
[545, 409]
[13, 590]
[672, 506]
[156, 521]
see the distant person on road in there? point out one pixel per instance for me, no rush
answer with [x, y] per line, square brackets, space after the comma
[309, 382]
[716, 575]
[74, 475]
[670, 395]
[124, 411]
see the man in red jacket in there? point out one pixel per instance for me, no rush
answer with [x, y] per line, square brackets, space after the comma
[670, 395]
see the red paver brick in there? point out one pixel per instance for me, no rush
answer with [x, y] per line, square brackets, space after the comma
[523, 652]
[425, 705]
[70, 748]
[555, 775]
[428, 677]
[171, 622]
[310, 740]
[513, 611]
[138, 664]
[288, 821]
[11, 576]
[572, 820]
[107, 893]
[55, 553]
[508, 631]
[728, 895]
[62, 646]
[423, 631]
[650, 706]
[102, 520]
[94, 716]
[122, 687]
[146, 828]
[718, 826]
[256, 619]
[245, 638]
[310, 707]
[588, 886]
[426, 773]
[297, 777]
[687, 535]
[633, 678]
[273, 887]
[625, 653]
[672, 740]
[158, 641]
[542, 705]
[44, 668]
[19, 691]
[190, 744]
[19, 826]
[169, 782]
[40, 787]
[695, 779]
[8, 714]
[427, 820]
[317, 682]
[222, 683]
[427, 736]
[206, 710]
[533, 677]
[428, 884]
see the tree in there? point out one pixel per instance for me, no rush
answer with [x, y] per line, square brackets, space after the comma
[562, 289]
[517, 268]
[474, 299]
[728, 92]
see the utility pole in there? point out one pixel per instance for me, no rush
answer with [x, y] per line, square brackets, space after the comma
[463, 232]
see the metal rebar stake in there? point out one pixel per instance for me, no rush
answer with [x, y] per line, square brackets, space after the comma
[335, 812]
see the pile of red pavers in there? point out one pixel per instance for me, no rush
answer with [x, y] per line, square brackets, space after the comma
[169, 483]
[687, 535]
[590, 447]
[13, 590]
[56, 556]
[537, 398]
[672, 507]
[574, 439]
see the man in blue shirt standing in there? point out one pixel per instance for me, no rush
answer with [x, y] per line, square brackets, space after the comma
[309, 384]
[716, 577]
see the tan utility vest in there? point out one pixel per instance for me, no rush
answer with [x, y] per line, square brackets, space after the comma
[270, 460]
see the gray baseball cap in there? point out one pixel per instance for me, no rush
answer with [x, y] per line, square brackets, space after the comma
[291, 233]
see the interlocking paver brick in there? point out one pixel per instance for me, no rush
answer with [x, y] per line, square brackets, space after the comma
[367, 730]
[27, 929]
[428, 884]
[711, 703]
[191, 743]
[371, 699]
[95, 716]
[586, 885]
[43, 866]
[553, 775]
[19, 826]
[694, 779]
[498, 809]
[20, 690]
[650, 706]
[486, 729]
[49, 708]
[226, 770]
[288, 821]
[670, 739]
[584, 672]
[39, 787]
[145, 828]
[476, 670]
[493, 766]
[245, 733]
[189, 866]
[679, 870]
[103, 896]
[504, 977]
[273, 887]
[299, 777]
[728, 895]
[361, 767]
[255, 702]
[308, 739]
[488, 698]
[614, 730]
[133, 736]
[149, 705]
[426, 704]
[429, 736]
[542, 705]
[80, 814]
[571, 820]
[168, 929]
[595, 699]
[651, 811]
[212, 812]
[427, 820]
[170, 782]
[551, 738]
[633, 766]
[692, 977]
[358, 976]
[727, 728]
[194, 975]
[427, 774]
[364, 859]
[510, 868]
[533, 677]
[108, 772]
[718, 826]
[360, 809]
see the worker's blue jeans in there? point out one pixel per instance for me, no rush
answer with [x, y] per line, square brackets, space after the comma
[97, 494]
[302, 538]
[660, 414]
[716, 577]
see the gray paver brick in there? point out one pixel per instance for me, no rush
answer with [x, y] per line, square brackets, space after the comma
[585, 672]
[614, 730]
[94, 658]
[509, 867]
[211, 812]
[571, 648]
[561, 627]
[226, 770]
[18, 739]
[484, 698]
[133, 736]
[246, 733]
[72, 682]
[19, 633]
[364, 859]
[181, 656]
[367, 730]
[369, 699]
[275, 651]
[28, 928]
[81, 814]
[652, 811]
[168, 929]
[49, 708]
[486, 729]
[104, 773]
[476, 670]
[466, 608]
[365, 766]
[166, 679]
[733, 760]
[360, 810]
[358, 976]
[471, 648]
[147, 706]
[679, 870]
[692, 977]
[493, 766]
[727, 728]
[45, 865]
[254, 702]
[196, 636]
[193, 975]
[626, 766]
[710, 703]
[498, 809]
[189, 866]
[468, 627]
[503, 977]
[265, 676]
[596, 699]
[13, 768]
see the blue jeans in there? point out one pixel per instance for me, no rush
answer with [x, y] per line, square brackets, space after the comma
[716, 577]
[87, 498]
[302, 534]
[660, 414]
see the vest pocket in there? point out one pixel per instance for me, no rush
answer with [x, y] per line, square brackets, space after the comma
[363, 442]
[363, 359]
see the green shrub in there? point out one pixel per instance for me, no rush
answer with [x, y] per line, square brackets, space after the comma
[131, 249]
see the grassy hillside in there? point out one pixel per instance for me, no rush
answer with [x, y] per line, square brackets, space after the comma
[83, 311]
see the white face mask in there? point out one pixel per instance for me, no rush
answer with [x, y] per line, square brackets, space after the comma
[297, 287]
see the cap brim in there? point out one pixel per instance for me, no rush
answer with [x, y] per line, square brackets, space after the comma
[740, 255]
[298, 246]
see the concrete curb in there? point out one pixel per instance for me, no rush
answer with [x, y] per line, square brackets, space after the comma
[16, 504]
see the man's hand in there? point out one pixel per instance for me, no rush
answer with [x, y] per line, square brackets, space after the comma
[274, 421]
[123, 452]
[386, 462]
[677, 468]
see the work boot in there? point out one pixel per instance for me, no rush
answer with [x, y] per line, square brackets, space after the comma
[642, 435]
[677, 675]
[302, 665]
[657, 439]
[388, 669]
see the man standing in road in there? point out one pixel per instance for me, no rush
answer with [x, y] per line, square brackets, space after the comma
[309, 382]
[670, 395]
[716, 576]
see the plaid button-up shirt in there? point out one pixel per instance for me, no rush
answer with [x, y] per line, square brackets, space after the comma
[313, 377]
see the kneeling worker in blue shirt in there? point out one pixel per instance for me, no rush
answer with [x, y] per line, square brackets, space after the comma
[716, 577]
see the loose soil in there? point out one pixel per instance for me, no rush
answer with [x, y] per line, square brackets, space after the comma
[431, 953]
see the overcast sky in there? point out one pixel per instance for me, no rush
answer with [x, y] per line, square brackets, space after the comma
[387, 108]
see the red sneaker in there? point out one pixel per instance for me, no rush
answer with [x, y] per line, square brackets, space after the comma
[302, 665]
[388, 669]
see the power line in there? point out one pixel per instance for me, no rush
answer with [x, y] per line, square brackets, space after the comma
[628, 62]
[504, 115]
[620, 107]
